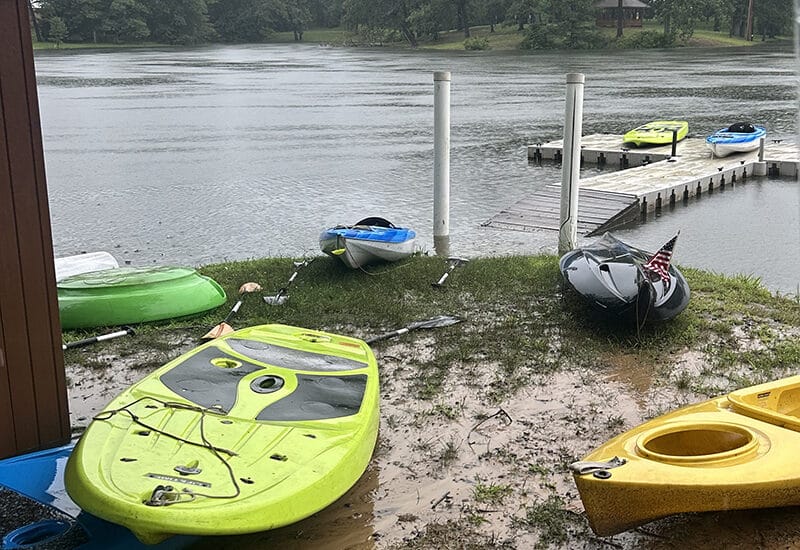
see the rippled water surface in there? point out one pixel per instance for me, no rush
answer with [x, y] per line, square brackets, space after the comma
[194, 156]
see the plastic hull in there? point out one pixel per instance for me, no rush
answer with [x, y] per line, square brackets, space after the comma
[129, 295]
[34, 482]
[723, 143]
[68, 266]
[658, 132]
[608, 275]
[713, 456]
[252, 431]
[363, 245]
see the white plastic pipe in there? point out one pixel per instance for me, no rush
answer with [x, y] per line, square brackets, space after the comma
[441, 154]
[570, 169]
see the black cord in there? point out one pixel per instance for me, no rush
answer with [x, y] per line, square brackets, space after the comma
[205, 443]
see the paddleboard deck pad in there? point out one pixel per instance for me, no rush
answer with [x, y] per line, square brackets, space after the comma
[251, 431]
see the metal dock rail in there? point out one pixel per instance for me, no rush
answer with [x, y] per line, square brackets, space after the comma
[647, 179]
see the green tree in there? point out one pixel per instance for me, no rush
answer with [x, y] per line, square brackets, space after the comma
[564, 24]
[371, 15]
[179, 21]
[82, 17]
[678, 16]
[773, 18]
[124, 21]
[247, 20]
[298, 17]
[462, 11]
[57, 30]
[522, 12]
[495, 12]
[575, 23]
[34, 21]
[326, 13]
[432, 17]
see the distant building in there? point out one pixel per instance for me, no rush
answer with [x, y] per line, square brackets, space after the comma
[633, 12]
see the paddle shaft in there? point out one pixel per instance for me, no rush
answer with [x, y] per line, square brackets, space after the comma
[282, 294]
[454, 263]
[388, 335]
[94, 339]
[233, 310]
[446, 274]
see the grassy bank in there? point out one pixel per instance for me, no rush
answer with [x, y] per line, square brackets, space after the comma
[515, 313]
[503, 38]
[93, 45]
[508, 37]
[480, 420]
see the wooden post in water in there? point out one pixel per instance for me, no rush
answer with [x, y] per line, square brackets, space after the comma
[33, 395]
[571, 166]
[441, 162]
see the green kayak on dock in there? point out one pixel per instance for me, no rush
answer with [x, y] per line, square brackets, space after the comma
[130, 295]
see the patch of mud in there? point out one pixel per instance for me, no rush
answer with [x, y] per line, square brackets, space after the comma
[92, 384]
[463, 471]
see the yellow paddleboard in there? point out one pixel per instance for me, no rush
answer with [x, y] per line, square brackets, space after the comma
[658, 132]
[252, 431]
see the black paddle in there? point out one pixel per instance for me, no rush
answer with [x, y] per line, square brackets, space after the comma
[93, 339]
[435, 322]
[282, 295]
[454, 263]
[224, 328]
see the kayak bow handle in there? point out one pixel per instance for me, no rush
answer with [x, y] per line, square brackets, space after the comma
[581, 468]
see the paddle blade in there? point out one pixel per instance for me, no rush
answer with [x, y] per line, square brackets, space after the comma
[338, 251]
[435, 322]
[220, 330]
[278, 300]
[249, 287]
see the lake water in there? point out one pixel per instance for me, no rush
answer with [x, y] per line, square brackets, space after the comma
[202, 155]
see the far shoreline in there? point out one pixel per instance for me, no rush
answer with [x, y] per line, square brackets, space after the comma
[504, 39]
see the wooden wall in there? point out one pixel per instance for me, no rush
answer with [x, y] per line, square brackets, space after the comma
[33, 398]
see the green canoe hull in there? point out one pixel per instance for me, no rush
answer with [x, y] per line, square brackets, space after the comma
[252, 431]
[130, 295]
[658, 132]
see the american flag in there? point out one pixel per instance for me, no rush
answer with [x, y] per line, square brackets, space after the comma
[659, 263]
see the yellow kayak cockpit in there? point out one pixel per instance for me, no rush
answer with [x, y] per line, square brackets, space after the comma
[697, 443]
[774, 402]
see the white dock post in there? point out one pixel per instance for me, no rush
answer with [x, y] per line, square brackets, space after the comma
[441, 162]
[571, 167]
[760, 167]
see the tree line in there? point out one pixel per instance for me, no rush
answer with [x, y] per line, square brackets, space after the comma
[544, 23]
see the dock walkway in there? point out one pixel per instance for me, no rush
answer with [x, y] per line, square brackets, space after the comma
[647, 179]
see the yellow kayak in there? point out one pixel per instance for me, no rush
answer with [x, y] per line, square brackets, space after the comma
[252, 431]
[658, 132]
[731, 453]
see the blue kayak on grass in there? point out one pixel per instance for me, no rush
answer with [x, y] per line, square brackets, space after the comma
[372, 240]
[36, 512]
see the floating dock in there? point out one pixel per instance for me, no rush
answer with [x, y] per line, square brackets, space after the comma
[647, 179]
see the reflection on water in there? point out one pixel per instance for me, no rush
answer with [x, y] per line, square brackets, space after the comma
[202, 155]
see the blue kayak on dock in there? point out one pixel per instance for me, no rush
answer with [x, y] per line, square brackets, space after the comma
[736, 138]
